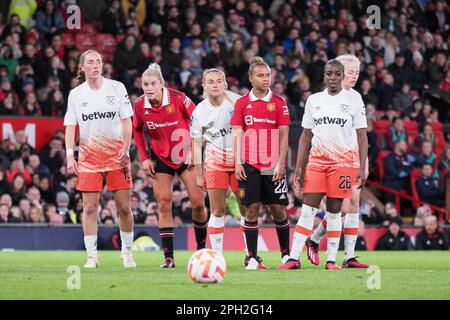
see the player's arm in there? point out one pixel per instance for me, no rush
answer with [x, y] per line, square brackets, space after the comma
[304, 147]
[362, 147]
[238, 132]
[138, 132]
[69, 137]
[283, 141]
[127, 129]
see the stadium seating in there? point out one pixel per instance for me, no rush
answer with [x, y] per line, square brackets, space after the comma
[380, 160]
[68, 39]
[381, 127]
[85, 41]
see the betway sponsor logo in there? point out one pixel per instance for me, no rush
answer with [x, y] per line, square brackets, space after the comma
[249, 120]
[152, 125]
[220, 133]
[98, 115]
[328, 120]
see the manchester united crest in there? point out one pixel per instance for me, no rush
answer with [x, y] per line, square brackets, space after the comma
[270, 107]
[110, 100]
[170, 109]
[241, 193]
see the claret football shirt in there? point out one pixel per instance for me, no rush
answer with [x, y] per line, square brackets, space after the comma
[168, 127]
[260, 120]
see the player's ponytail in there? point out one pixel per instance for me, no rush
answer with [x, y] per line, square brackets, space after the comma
[81, 76]
[154, 70]
[255, 62]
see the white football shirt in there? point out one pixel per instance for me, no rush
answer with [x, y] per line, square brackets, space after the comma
[98, 114]
[213, 125]
[334, 120]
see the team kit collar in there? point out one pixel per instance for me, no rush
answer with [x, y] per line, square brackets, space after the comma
[265, 99]
[165, 100]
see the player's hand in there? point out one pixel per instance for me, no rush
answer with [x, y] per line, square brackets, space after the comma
[240, 172]
[297, 175]
[124, 155]
[200, 180]
[361, 178]
[72, 166]
[149, 167]
[278, 173]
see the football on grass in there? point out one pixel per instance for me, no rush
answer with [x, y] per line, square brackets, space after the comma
[207, 266]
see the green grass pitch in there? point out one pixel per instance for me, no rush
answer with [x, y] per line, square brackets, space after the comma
[43, 275]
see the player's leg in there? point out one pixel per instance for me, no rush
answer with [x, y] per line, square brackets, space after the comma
[120, 183]
[235, 188]
[199, 216]
[334, 228]
[162, 186]
[217, 184]
[274, 194]
[351, 226]
[250, 196]
[90, 184]
[90, 227]
[339, 187]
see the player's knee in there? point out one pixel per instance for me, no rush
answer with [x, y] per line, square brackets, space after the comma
[164, 204]
[354, 207]
[90, 209]
[197, 205]
[218, 212]
[124, 210]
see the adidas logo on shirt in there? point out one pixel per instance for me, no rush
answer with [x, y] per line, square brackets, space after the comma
[98, 115]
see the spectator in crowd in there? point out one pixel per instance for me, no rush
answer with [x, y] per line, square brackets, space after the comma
[36, 215]
[127, 59]
[397, 169]
[395, 238]
[427, 156]
[139, 215]
[4, 213]
[421, 213]
[370, 213]
[396, 133]
[403, 100]
[113, 20]
[18, 189]
[428, 187]
[430, 238]
[445, 162]
[15, 215]
[49, 20]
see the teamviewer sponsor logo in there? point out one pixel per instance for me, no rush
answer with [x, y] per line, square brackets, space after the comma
[152, 125]
[249, 120]
[328, 120]
[98, 115]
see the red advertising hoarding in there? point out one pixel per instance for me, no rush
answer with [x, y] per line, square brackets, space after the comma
[38, 130]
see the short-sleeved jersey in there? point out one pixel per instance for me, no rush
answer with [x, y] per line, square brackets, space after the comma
[212, 123]
[99, 114]
[260, 120]
[168, 126]
[334, 120]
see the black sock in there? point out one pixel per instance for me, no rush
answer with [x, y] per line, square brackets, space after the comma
[200, 229]
[251, 236]
[283, 230]
[166, 235]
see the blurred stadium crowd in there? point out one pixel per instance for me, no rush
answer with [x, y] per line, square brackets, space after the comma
[404, 81]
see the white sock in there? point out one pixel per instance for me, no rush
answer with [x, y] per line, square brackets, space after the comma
[320, 230]
[127, 240]
[243, 234]
[334, 227]
[351, 226]
[90, 242]
[215, 232]
[303, 230]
